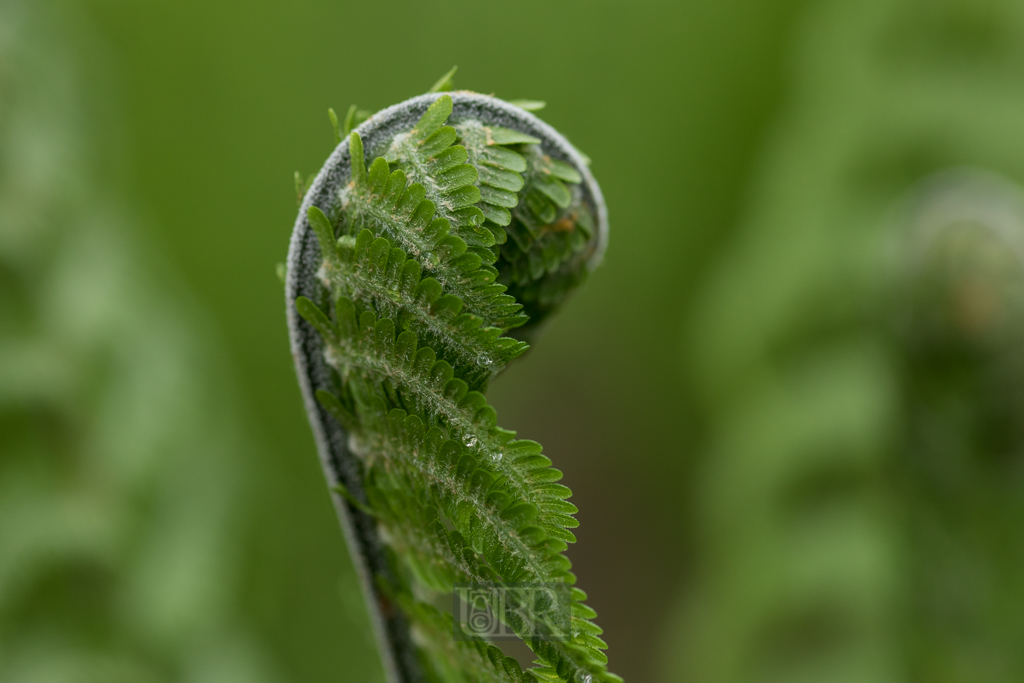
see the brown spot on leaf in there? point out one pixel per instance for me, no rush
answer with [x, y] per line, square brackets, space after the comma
[565, 224]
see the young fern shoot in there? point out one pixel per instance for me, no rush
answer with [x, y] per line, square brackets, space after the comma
[438, 235]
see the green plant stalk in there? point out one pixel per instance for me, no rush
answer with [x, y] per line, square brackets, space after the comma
[436, 238]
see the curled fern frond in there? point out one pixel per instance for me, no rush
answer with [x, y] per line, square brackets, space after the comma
[438, 228]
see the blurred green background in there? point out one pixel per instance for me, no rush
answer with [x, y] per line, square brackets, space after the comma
[750, 153]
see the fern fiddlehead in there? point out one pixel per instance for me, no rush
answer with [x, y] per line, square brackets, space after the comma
[437, 236]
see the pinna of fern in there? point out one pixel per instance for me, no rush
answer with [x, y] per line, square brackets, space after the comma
[435, 239]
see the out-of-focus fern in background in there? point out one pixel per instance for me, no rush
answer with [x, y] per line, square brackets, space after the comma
[122, 458]
[859, 353]
[788, 402]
